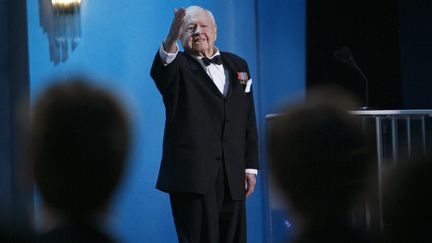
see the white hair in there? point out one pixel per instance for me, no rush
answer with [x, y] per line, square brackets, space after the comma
[193, 10]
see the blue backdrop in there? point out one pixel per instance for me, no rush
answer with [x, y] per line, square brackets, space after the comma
[119, 41]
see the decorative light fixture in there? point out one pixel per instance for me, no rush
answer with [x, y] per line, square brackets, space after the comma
[66, 6]
[64, 29]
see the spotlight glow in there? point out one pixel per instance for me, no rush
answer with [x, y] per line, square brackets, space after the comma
[65, 4]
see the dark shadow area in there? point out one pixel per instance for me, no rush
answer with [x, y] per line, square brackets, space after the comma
[407, 204]
[416, 52]
[370, 29]
[16, 198]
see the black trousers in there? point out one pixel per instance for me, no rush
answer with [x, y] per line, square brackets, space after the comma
[210, 218]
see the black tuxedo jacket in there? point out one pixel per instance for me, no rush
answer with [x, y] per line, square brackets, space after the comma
[203, 128]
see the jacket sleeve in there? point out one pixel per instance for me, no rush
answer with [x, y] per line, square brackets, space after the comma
[251, 157]
[166, 78]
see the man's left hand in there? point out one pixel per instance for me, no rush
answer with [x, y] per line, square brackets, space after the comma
[250, 183]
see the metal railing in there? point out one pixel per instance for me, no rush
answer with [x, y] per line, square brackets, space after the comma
[400, 135]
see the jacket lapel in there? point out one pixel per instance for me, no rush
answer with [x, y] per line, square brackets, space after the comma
[199, 71]
[232, 74]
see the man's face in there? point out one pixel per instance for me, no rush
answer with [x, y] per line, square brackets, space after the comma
[199, 34]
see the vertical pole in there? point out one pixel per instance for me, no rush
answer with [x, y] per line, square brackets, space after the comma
[394, 139]
[423, 134]
[408, 127]
[380, 159]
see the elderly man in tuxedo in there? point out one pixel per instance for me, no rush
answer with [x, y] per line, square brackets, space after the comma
[210, 148]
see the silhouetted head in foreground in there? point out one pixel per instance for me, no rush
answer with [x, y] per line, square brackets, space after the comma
[320, 157]
[407, 204]
[80, 140]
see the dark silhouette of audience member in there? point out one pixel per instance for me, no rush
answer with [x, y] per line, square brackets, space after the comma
[319, 156]
[8, 235]
[80, 140]
[407, 204]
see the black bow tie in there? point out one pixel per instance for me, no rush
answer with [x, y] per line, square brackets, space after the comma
[216, 60]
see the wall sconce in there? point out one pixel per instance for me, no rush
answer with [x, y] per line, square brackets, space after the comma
[61, 20]
[66, 6]
[67, 23]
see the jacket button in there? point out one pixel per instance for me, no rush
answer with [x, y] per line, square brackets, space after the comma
[218, 158]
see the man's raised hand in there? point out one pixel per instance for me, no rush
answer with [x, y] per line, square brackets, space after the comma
[175, 30]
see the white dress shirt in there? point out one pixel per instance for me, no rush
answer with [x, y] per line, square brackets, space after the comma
[217, 73]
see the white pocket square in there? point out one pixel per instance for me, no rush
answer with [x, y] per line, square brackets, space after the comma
[248, 86]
